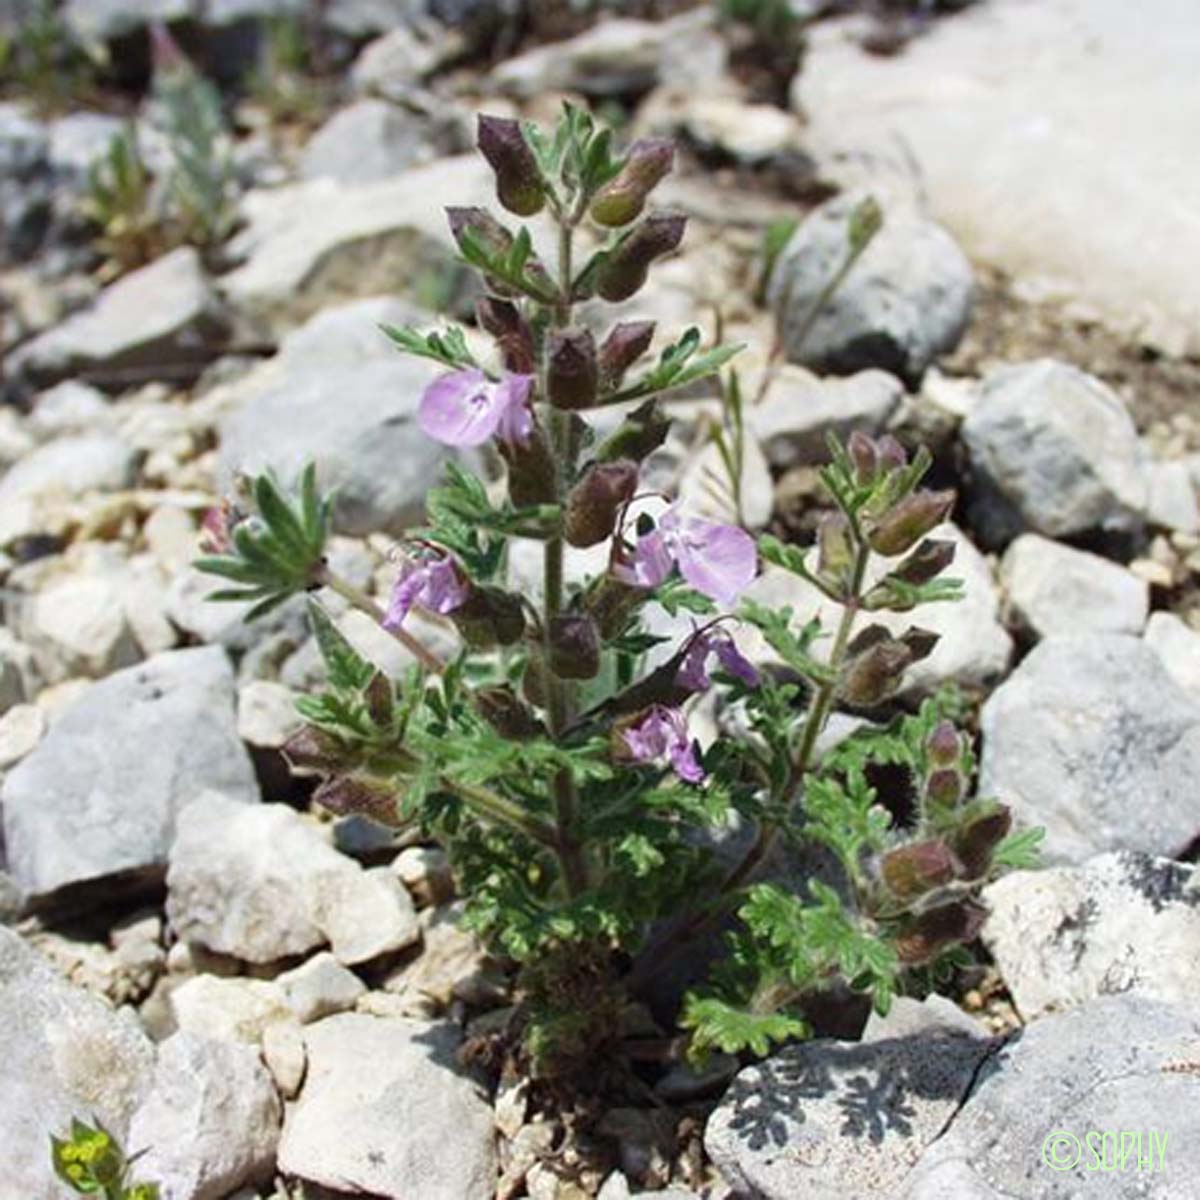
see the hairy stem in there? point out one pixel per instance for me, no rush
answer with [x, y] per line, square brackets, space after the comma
[489, 804]
[559, 697]
[357, 598]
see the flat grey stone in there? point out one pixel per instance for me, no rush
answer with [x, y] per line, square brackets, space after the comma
[1178, 646]
[367, 142]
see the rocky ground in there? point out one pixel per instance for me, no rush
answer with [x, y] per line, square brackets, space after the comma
[274, 1004]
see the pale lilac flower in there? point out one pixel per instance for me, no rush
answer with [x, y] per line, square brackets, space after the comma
[663, 731]
[433, 581]
[718, 560]
[693, 672]
[465, 408]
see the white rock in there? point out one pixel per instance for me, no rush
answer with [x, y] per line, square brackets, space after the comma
[166, 313]
[170, 535]
[228, 1010]
[320, 987]
[1117, 923]
[70, 407]
[704, 488]
[1052, 588]
[800, 409]
[63, 1054]
[425, 871]
[284, 1054]
[81, 621]
[267, 886]
[210, 1122]
[1171, 497]
[1178, 646]
[267, 714]
[385, 1108]
[368, 142]
[21, 728]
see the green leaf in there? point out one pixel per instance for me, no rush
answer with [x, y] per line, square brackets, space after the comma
[347, 668]
[733, 1030]
[1021, 850]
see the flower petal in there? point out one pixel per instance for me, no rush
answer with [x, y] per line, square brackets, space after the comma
[719, 560]
[516, 417]
[461, 408]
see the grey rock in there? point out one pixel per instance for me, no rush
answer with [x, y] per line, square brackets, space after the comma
[1118, 923]
[614, 57]
[319, 988]
[261, 883]
[1178, 646]
[63, 469]
[21, 728]
[69, 407]
[1051, 588]
[311, 244]
[426, 872]
[395, 65]
[63, 1054]
[162, 316]
[1171, 497]
[367, 18]
[210, 1122]
[100, 795]
[1119, 1063]
[15, 672]
[909, 1017]
[800, 410]
[340, 395]
[906, 301]
[78, 139]
[1054, 451]
[385, 1109]
[368, 142]
[26, 191]
[228, 1010]
[827, 1119]
[1092, 739]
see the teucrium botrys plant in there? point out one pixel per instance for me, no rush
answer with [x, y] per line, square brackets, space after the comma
[555, 766]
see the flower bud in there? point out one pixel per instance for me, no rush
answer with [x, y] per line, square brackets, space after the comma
[625, 344]
[926, 562]
[938, 929]
[532, 474]
[574, 646]
[504, 322]
[571, 370]
[313, 749]
[533, 681]
[483, 227]
[622, 199]
[892, 456]
[943, 745]
[908, 520]
[489, 615]
[978, 838]
[911, 871]
[920, 642]
[362, 794]
[594, 502]
[624, 271]
[504, 712]
[864, 456]
[834, 551]
[637, 437]
[945, 787]
[612, 603]
[519, 183]
[380, 699]
[873, 668]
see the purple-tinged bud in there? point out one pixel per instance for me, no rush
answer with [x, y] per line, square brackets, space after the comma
[944, 788]
[362, 795]
[926, 562]
[572, 375]
[533, 681]
[380, 698]
[834, 550]
[944, 745]
[622, 199]
[977, 839]
[938, 929]
[165, 55]
[574, 646]
[217, 528]
[892, 455]
[625, 344]
[909, 520]
[865, 457]
[504, 322]
[624, 271]
[920, 642]
[489, 615]
[637, 437]
[911, 871]
[612, 604]
[500, 707]
[594, 502]
[483, 227]
[312, 749]
[873, 668]
[532, 473]
[519, 183]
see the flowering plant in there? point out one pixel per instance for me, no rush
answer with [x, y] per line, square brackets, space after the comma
[555, 754]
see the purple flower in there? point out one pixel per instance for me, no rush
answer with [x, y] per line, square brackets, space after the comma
[663, 731]
[718, 560]
[693, 672]
[433, 581]
[465, 408]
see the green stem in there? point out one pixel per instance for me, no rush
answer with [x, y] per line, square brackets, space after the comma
[559, 698]
[357, 598]
[505, 812]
